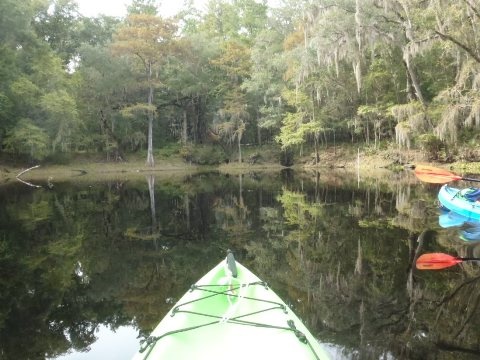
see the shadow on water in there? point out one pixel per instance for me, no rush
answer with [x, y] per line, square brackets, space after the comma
[78, 257]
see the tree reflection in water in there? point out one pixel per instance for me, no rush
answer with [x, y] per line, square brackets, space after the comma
[340, 252]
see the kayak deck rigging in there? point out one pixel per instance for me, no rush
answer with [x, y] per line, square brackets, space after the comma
[151, 341]
[250, 322]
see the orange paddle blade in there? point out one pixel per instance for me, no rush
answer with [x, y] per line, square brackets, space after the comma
[436, 261]
[435, 175]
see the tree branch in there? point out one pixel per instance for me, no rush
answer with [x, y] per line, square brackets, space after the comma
[24, 171]
[459, 44]
[474, 9]
[26, 182]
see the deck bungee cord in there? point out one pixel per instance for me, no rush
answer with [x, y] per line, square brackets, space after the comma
[231, 295]
[245, 312]
[150, 342]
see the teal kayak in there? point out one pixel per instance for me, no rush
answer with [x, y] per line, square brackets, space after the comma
[230, 314]
[469, 229]
[461, 201]
[448, 219]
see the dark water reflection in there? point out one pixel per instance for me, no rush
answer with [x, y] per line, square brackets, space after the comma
[80, 257]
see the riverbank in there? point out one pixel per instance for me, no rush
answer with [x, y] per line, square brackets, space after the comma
[366, 162]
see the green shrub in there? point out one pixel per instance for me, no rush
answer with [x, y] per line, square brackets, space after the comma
[169, 150]
[27, 139]
[203, 154]
[59, 158]
[431, 145]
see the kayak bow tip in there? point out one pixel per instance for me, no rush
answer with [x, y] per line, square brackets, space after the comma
[231, 264]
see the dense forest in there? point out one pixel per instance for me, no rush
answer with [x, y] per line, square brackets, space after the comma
[305, 73]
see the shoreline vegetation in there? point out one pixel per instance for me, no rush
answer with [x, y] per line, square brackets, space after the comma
[349, 86]
[362, 162]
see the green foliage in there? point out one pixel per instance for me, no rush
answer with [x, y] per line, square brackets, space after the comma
[6, 112]
[139, 109]
[249, 73]
[142, 7]
[97, 31]
[27, 139]
[374, 111]
[91, 254]
[58, 24]
[15, 20]
[385, 74]
[296, 123]
[59, 158]
[241, 20]
[169, 150]
[297, 211]
[290, 133]
[148, 41]
[62, 119]
[434, 81]
[432, 145]
[25, 91]
[203, 155]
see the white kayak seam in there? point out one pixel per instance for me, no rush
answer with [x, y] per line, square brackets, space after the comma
[233, 306]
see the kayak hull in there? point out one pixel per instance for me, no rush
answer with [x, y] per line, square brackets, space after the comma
[223, 317]
[452, 199]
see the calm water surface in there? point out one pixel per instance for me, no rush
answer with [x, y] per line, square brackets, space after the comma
[88, 269]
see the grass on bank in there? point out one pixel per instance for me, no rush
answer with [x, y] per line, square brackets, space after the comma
[177, 160]
[170, 160]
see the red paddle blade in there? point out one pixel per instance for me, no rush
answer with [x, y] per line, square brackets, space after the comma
[436, 261]
[435, 175]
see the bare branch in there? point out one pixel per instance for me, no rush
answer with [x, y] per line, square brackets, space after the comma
[24, 171]
[459, 44]
[26, 182]
[473, 8]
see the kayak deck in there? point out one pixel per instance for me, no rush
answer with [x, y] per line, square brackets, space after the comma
[458, 201]
[234, 318]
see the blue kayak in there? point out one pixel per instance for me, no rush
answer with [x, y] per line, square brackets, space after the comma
[471, 233]
[449, 219]
[464, 202]
[469, 229]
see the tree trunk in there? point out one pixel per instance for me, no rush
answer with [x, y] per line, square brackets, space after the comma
[150, 161]
[239, 137]
[407, 56]
[151, 192]
[184, 128]
[186, 202]
[367, 133]
[259, 135]
[196, 110]
[413, 77]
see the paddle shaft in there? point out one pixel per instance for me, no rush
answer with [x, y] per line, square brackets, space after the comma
[468, 258]
[469, 179]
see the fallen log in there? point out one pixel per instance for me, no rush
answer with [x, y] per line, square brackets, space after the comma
[24, 171]
[26, 182]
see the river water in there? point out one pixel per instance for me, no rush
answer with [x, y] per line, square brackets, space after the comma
[87, 269]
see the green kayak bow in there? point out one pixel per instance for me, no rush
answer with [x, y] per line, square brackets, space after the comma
[230, 314]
